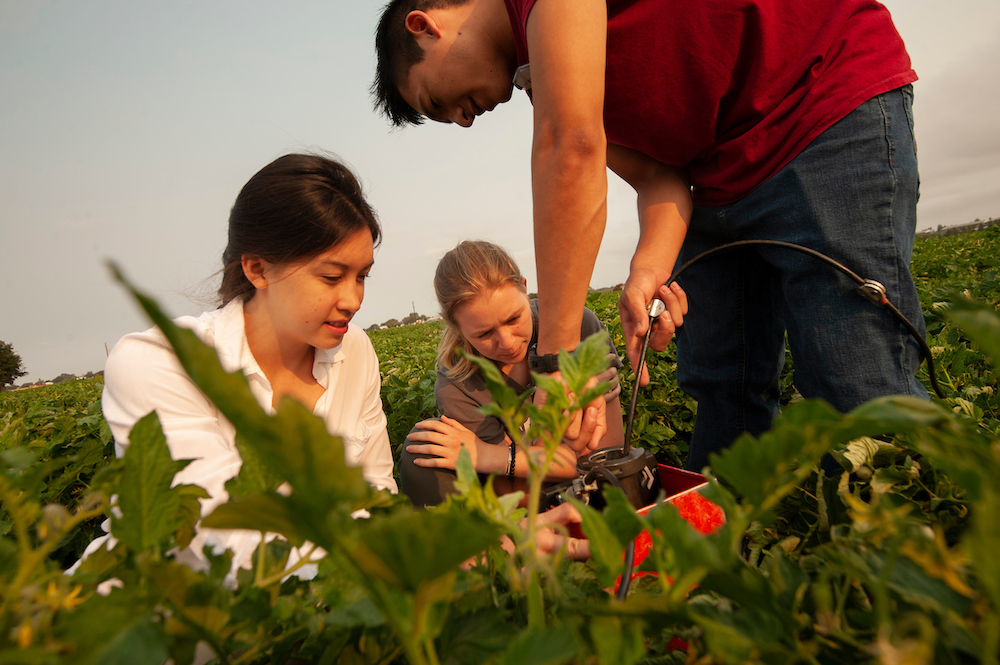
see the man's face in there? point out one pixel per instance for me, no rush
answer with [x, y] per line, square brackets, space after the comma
[457, 80]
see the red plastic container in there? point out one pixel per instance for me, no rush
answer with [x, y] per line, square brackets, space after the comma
[681, 488]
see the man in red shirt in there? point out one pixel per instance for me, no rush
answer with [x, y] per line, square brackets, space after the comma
[757, 119]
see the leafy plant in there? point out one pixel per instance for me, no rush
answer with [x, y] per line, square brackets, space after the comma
[62, 430]
[889, 559]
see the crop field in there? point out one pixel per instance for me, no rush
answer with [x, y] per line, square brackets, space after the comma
[890, 560]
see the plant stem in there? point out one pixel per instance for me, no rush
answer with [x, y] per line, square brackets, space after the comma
[285, 572]
[261, 560]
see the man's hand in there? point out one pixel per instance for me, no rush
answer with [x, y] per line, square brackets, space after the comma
[640, 289]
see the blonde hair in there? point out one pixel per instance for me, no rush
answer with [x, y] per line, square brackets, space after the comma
[472, 268]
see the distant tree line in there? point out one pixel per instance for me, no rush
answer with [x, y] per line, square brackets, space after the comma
[62, 378]
[12, 368]
[958, 229]
[408, 320]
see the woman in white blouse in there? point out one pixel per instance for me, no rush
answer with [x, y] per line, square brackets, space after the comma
[301, 243]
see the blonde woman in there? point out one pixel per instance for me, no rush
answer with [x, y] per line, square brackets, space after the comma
[486, 312]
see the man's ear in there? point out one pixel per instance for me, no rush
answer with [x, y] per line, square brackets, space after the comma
[254, 268]
[420, 23]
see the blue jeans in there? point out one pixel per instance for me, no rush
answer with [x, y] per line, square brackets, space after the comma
[852, 195]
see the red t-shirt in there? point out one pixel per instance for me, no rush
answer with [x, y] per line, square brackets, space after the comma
[735, 89]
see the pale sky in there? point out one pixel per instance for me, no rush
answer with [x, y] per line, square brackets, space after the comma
[128, 128]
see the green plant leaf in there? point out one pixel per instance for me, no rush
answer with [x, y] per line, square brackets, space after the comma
[271, 513]
[189, 513]
[617, 640]
[503, 395]
[139, 641]
[620, 516]
[150, 507]
[763, 471]
[982, 542]
[555, 392]
[605, 547]
[475, 637]
[588, 359]
[118, 629]
[255, 475]
[980, 322]
[551, 645]
[408, 549]
[678, 549]
[894, 414]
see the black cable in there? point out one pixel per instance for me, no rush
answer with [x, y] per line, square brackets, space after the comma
[865, 288]
[635, 392]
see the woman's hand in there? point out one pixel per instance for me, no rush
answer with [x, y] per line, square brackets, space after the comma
[445, 438]
[611, 375]
[549, 540]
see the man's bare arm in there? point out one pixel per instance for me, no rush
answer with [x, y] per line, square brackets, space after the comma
[567, 39]
[664, 202]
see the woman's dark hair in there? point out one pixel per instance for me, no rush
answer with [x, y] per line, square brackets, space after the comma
[293, 209]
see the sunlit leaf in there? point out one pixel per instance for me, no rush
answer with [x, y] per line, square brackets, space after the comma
[588, 359]
[271, 513]
[150, 507]
[409, 548]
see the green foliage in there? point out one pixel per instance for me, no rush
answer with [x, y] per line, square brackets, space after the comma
[62, 429]
[151, 509]
[406, 360]
[891, 559]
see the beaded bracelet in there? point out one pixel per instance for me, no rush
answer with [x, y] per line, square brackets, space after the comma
[510, 462]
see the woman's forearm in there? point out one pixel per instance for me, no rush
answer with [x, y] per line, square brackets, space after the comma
[495, 459]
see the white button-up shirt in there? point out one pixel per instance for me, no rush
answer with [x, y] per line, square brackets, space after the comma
[143, 374]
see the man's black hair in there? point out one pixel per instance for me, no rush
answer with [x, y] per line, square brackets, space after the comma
[397, 51]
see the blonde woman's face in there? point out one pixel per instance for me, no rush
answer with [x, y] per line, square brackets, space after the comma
[497, 324]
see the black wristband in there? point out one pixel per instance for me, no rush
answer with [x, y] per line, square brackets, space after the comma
[546, 364]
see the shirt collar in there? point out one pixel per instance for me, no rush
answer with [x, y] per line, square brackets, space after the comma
[329, 356]
[231, 340]
[234, 350]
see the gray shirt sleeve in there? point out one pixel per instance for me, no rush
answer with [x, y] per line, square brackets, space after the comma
[592, 324]
[462, 399]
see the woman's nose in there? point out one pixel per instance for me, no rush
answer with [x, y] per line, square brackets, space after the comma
[350, 299]
[506, 339]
